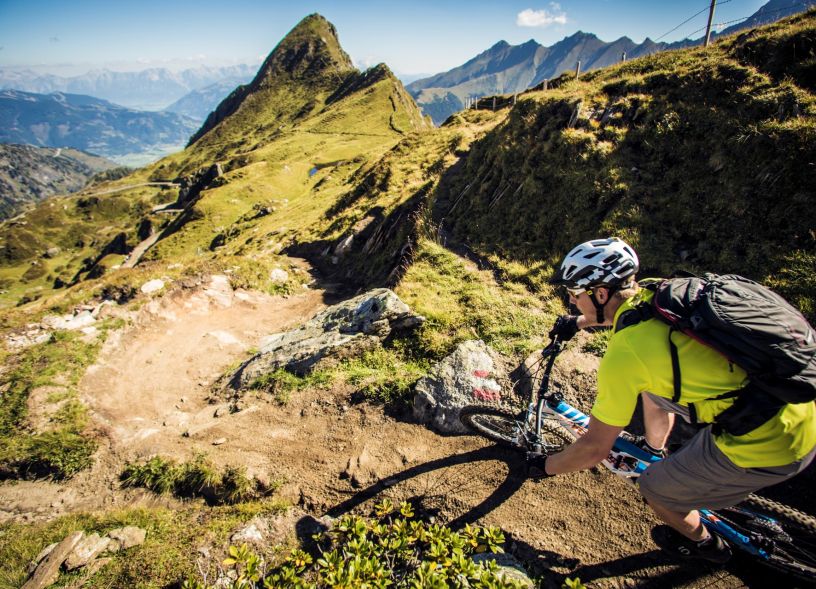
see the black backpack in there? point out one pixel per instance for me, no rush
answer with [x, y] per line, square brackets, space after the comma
[749, 324]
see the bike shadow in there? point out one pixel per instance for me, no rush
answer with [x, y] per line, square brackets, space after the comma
[516, 475]
[650, 570]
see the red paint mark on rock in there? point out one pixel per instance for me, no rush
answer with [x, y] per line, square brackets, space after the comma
[486, 395]
[481, 373]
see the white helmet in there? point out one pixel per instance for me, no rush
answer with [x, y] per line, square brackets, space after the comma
[600, 262]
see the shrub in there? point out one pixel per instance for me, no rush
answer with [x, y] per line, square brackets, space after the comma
[392, 549]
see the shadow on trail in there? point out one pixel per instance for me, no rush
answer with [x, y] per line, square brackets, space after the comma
[446, 487]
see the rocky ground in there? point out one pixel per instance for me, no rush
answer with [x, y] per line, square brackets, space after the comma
[149, 393]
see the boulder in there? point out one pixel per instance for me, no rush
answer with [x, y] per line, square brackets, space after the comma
[127, 537]
[472, 374]
[48, 570]
[341, 331]
[510, 568]
[279, 276]
[152, 286]
[32, 566]
[253, 532]
[86, 550]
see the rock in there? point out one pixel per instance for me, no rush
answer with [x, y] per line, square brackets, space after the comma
[473, 373]
[219, 441]
[47, 571]
[126, 537]
[279, 276]
[81, 320]
[341, 331]
[152, 286]
[52, 252]
[344, 246]
[39, 558]
[86, 550]
[220, 290]
[509, 567]
[254, 532]
[89, 572]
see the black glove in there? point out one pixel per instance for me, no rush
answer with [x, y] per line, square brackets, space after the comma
[536, 466]
[565, 328]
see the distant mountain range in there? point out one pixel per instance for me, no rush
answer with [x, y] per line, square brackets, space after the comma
[200, 103]
[92, 125]
[30, 174]
[505, 68]
[151, 89]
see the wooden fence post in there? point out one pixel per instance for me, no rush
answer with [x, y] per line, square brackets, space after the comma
[623, 56]
[494, 103]
[578, 69]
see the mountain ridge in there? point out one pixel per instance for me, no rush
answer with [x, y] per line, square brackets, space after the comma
[444, 93]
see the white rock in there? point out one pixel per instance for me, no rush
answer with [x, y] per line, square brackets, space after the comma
[152, 286]
[251, 534]
[87, 549]
[279, 276]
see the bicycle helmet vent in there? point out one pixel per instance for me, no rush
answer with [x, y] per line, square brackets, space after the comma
[600, 262]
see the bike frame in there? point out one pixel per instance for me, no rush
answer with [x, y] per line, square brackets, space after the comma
[625, 459]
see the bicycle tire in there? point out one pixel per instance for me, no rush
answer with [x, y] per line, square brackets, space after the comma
[794, 546]
[501, 427]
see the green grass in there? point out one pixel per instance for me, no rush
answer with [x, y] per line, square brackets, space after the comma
[697, 157]
[195, 478]
[65, 447]
[166, 558]
[463, 303]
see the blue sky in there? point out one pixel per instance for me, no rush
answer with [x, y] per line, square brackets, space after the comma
[411, 36]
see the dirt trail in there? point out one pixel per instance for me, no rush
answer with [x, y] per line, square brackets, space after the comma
[150, 387]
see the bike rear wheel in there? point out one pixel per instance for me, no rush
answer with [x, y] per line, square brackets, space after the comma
[506, 429]
[791, 544]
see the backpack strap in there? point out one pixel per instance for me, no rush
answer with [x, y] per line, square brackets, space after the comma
[675, 360]
[638, 313]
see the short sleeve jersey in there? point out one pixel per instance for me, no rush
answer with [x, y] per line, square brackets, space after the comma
[638, 359]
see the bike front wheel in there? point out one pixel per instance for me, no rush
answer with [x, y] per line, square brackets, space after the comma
[507, 429]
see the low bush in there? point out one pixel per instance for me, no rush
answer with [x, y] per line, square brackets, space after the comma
[393, 549]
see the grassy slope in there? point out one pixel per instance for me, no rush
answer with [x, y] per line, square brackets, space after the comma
[703, 159]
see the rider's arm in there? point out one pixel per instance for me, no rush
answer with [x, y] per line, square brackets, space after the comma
[587, 451]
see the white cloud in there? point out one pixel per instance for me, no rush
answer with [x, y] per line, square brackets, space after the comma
[543, 17]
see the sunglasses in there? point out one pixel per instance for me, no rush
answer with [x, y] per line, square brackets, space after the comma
[576, 292]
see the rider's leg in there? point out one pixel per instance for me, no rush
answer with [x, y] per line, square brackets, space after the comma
[658, 423]
[687, 523]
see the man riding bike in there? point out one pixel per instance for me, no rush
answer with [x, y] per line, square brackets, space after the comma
[712, 470]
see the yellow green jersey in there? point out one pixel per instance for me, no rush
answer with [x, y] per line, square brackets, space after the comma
[638, 360]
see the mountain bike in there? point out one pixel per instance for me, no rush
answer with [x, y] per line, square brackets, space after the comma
[774, 534]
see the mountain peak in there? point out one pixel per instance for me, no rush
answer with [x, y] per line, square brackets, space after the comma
[500, 45]
[310, 49]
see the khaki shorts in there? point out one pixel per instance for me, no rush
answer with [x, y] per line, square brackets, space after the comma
[699, 476]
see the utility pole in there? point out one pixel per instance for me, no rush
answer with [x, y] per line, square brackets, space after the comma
[710, 19]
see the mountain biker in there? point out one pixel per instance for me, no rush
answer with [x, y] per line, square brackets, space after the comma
[710, 470]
